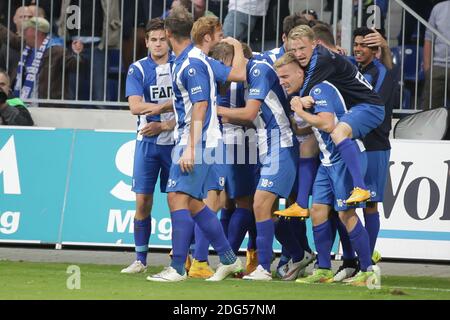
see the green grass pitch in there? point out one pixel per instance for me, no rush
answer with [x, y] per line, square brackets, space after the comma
[25, 280]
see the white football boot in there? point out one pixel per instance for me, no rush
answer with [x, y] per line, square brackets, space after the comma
[224, 270]
[135, 267]
[260, 274]
[169, 274]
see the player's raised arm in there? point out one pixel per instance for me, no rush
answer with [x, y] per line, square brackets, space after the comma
[239, 66]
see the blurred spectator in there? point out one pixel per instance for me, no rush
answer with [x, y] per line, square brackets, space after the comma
[13, 111]
[439, 20]
[242, 16]
[35, 66]
[36, 11]
[22, 14]
[99, 28]
[310, 15]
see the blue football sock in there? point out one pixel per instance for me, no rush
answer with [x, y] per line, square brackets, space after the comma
[324, 243]
[349, 151]
[287, 239]
[333, 221]
[201, 248]
[240, 222]
[182, 231]
[264, 240]
[372, 225]
[307, 169]
[348, 252]
[142, 231]
[360, 242]
[251, 244]
[207, 221]
[298, 227]
[225, 216]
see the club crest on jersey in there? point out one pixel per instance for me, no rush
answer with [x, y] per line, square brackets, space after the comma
[192, 72]
[317, 91]
[130, 71]
[256, 73]
[163, 92]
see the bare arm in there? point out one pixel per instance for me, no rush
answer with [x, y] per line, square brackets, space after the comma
[239, 66]
[377, 40]
[195, 135]
[323, 121]
[236, 115]
[139, 107]
[155, 128]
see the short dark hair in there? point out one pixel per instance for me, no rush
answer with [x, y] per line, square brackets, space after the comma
[362, 32]
[292, 21]
[323, 32]
[179, 23]
[154, 24]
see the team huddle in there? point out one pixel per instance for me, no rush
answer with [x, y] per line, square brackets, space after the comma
[224, 128]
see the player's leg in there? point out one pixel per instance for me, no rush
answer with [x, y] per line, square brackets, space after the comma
[145, 174]
[350, 265]
[359, 239]
[376, 177]
[348, 149]
[213, 188]
[276, 181]
[306, 173]
[262, 207]
[355, 125]
[210, 225]
[323, 197]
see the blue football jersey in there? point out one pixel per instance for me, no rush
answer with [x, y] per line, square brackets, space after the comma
[153, 82]
[272, 121]
[194, 80]
[233, 98]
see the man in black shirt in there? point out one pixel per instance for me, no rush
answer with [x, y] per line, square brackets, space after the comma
[365, 108]
[377, 147]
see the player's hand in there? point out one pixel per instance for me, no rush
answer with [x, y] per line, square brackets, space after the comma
[151, 129]
[77, 46]
[308, 102]
[297, 105]
[375, 40]
[187, 160]
[230, 40]
[341, 51]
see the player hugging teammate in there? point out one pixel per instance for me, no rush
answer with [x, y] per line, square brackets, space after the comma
[226, 129]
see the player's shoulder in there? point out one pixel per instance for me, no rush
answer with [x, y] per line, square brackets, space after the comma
[138, 67]
[323, 89]
[259, 67]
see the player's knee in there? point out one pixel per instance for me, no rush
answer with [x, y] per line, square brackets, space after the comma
[371, 208]
[172, 200]
[341, 132]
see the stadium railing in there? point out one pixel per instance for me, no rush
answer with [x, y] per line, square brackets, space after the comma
[408, 57]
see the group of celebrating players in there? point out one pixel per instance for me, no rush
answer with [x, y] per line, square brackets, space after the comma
[228, 129]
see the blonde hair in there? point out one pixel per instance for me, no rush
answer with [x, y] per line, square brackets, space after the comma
[286, 59]
[300, 32]
[204, 26]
